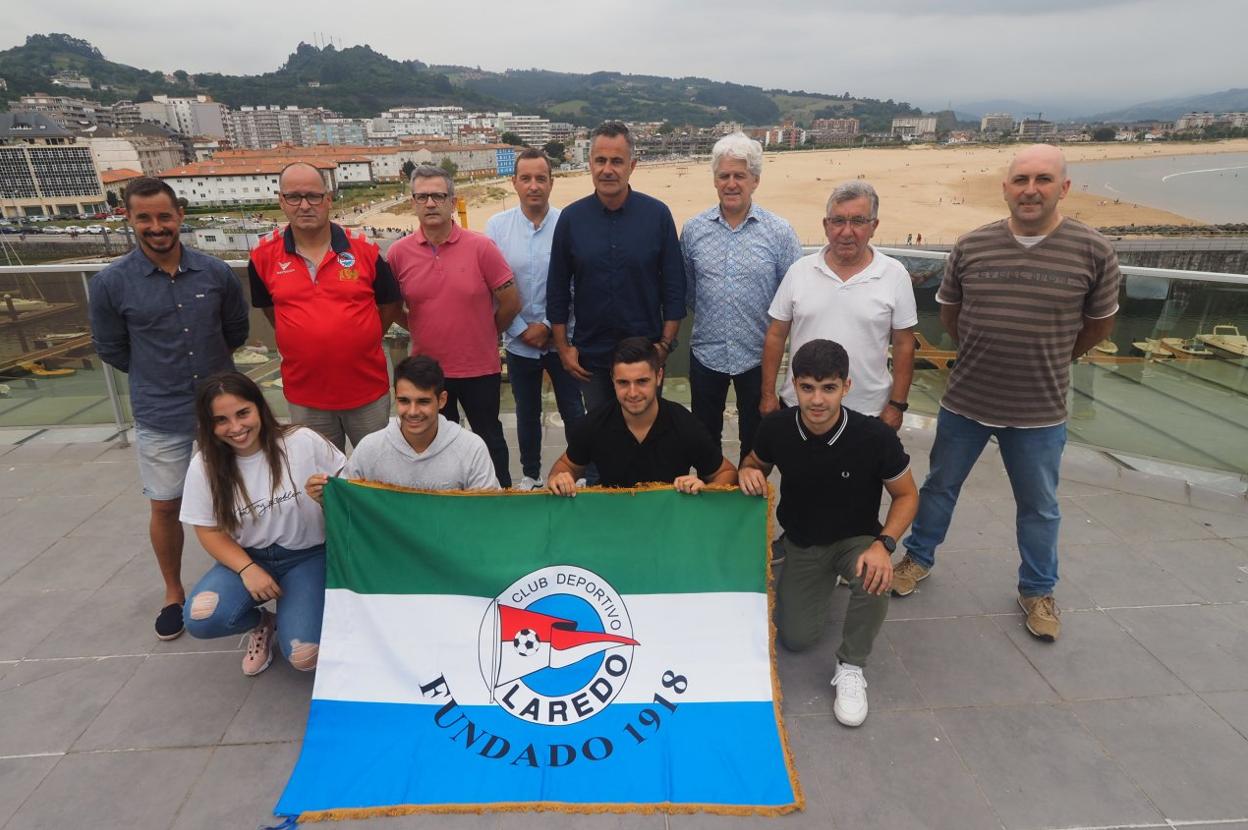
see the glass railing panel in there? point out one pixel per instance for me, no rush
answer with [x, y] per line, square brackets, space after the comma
[49, 372]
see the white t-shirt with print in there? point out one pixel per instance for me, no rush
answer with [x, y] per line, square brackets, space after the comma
[284, 515]
[859, 313]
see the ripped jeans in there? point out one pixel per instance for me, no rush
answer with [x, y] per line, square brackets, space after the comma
[301, 575]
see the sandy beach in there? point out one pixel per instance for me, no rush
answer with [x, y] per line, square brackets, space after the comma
[939, 192]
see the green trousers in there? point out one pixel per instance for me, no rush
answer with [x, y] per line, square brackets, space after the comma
[804, 598]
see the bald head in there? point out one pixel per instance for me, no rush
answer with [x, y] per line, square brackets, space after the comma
[1043, 154]
[1033, 186]
[300, 167]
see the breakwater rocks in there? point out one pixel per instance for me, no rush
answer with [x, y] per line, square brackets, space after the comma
[1231, 229]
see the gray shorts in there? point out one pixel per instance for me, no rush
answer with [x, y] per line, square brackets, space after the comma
[163, 459]
[337, 425]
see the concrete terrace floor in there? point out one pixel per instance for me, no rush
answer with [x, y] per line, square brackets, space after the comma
[1137, 717]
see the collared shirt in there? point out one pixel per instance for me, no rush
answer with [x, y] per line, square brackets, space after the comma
[676, 442]
[860, 313]
[732, 275]
[449, 291]
[831, 483]
[527, 251]
[325, 318]
[167, 332]
[625, 269]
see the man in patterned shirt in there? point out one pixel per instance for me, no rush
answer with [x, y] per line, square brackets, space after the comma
[1022, 297]
[735, 254]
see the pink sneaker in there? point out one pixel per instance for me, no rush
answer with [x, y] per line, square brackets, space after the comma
[260, 645]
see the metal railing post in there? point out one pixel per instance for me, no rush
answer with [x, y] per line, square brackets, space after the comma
[110, 382]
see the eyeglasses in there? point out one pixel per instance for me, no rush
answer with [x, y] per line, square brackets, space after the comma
[296, 198]
[841, 221]
[438, 198]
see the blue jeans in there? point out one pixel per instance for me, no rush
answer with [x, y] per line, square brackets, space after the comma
[708, 391]
[1032, 457]
[301, 575]
[526, 388]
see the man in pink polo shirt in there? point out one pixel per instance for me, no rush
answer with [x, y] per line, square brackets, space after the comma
[460, 294]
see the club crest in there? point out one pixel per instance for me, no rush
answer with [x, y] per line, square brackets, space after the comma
[556, 646]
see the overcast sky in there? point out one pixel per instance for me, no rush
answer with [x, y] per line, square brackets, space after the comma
[1076, 54]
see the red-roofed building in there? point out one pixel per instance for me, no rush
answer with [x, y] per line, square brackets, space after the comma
[232, 180]
[115, 181]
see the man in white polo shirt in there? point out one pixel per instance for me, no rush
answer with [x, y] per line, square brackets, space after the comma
[850, 293]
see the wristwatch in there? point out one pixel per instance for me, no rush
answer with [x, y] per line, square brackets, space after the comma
[900, 406]
[669, 345]
[889, 543]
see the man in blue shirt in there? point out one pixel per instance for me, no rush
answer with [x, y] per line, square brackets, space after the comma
[524, 235]
[168, 316]
[736, 254]
[616, 261]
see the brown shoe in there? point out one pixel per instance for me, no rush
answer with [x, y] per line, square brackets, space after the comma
[906, 575]
[1042, 617]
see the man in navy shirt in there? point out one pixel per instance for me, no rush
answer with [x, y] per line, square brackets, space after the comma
[834, 463]
[614, 261]
[168, 316]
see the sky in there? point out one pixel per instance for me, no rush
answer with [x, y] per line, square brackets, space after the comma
[1071, 56]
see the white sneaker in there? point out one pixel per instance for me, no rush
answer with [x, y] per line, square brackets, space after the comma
[851, 695]
[528, 484]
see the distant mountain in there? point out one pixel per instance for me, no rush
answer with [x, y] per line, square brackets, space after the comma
[1167, 109]
[358, 81]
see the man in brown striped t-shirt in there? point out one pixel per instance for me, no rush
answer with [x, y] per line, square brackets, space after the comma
[1022, 297]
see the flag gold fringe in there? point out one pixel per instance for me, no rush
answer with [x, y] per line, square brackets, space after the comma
[777, 696]
[349, 813]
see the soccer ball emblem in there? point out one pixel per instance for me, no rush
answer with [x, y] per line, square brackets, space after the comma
[525, 641]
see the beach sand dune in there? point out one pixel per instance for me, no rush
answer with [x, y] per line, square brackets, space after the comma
[939, 192]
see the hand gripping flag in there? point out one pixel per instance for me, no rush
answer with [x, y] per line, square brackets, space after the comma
[506, 651]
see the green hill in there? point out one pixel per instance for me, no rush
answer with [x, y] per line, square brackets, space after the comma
[358, 81]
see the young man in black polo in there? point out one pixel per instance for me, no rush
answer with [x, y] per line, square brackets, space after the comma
[640, 437]
[834, 463]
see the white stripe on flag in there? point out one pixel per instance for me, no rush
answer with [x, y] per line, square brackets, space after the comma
[383, 647]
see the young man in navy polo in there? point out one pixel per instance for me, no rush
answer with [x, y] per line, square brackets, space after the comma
[834, 464]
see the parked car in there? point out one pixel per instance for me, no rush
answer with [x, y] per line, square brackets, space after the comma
[94, 229]
[73, 229]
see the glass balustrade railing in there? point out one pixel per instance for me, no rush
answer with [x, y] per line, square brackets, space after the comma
[1170, 383]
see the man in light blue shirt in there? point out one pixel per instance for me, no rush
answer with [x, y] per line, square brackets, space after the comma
[524, 236]
[735, 254]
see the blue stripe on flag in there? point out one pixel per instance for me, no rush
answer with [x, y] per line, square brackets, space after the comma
[358, 755]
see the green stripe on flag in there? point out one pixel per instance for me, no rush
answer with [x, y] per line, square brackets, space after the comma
[648, 542]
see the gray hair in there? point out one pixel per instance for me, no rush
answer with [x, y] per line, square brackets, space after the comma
[428, 171]
[613, 129]
[741, 147]
[849, 191]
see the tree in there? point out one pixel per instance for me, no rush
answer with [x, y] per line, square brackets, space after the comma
[407, 169]
[555, 150]
[512, 139]
[111, 198]
[182, 77]
[1104, 134]
[450, 167]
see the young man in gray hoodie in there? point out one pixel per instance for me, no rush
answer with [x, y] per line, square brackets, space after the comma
[420, 448]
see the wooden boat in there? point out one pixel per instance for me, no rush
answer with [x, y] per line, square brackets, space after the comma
[1153, 349]
[1226, 339]
[36, 368]
[22, 305]
[1106, 346]
[1185, 348]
